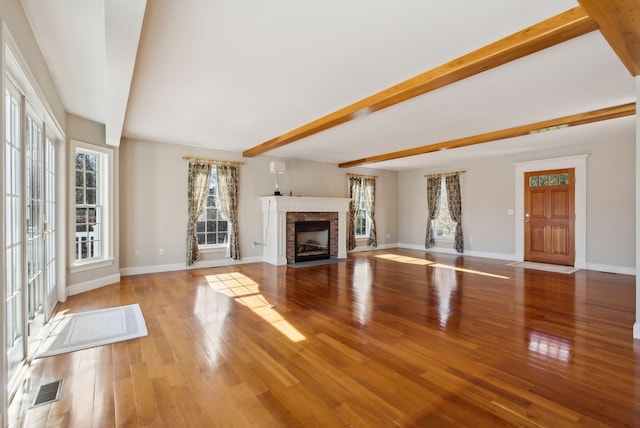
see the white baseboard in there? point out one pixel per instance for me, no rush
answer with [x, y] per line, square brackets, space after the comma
[636, 330]
[443, 250]
[624, 270]
[370, 248]
[92, 285]
[139, 270]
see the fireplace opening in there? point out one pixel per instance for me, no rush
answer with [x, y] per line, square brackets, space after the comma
[312, 240]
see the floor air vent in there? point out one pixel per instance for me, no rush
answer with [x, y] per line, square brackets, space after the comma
[48, 393]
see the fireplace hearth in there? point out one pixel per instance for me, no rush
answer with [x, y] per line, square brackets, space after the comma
[312, 240]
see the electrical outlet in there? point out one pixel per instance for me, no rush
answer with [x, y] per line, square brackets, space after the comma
[137, 253]
[388, 235]
[161, 251]
[253, 244]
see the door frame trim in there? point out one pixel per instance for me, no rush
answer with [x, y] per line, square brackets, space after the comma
[579, 164]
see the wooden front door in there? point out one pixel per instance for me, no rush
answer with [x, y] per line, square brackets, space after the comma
[549, 206]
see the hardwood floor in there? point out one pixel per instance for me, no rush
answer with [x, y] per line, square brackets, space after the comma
[389, 338]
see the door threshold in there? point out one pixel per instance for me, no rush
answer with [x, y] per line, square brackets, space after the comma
[545, 267]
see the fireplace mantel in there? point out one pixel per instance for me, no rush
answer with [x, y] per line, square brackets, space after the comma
[275, 209]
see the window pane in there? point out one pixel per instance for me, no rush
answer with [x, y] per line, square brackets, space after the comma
[212, 214]
[201, 237]
[200, 227]
[91, 212]
[81, 214]
[79, 196]
[80, 161]
[91, 179]
[91, 196]
[91, 162]
[79, 179]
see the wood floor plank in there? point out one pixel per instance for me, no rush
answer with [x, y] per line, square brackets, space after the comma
[392, 338]
[167, 404]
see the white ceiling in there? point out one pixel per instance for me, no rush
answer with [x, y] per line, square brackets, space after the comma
[233, 74]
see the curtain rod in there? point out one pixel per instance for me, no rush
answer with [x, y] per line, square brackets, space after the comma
[361, 175]
[211, 161]
[444, 174]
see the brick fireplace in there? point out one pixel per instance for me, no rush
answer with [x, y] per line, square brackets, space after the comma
[297, 220]
[280, 214]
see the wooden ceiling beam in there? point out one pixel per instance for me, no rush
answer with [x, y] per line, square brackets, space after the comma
[555, 30]
[518, 131]
[619, 22]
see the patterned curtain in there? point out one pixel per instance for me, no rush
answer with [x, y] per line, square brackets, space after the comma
[433, 196]
[228, 198]
[454, 198]
[197, 192]
[370, 202]
[355, 184]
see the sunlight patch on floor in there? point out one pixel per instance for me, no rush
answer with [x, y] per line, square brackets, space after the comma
[417, 261]
[404, 259]
[246, 291]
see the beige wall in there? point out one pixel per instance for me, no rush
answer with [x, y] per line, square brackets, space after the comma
[153, 201]
[90, 132]
[488, 191]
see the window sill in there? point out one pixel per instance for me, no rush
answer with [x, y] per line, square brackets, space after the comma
[90, 265]
[213, 249]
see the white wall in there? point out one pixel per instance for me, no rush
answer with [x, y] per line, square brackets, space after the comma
[488, 191]
[153, 201]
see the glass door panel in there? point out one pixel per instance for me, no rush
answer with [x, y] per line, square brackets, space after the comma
[50, 229]
[14, 234]
[35, 228]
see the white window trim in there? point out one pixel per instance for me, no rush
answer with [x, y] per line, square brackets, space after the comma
[106, 182]
[367, 222]
[214, 248]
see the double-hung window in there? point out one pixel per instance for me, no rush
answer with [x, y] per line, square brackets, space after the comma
[362, 222]
[92, 203]
[444, 227]
[211, 227]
